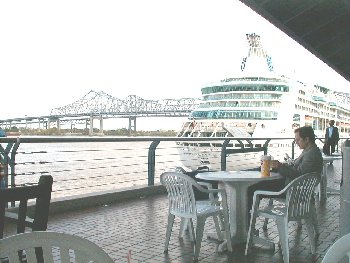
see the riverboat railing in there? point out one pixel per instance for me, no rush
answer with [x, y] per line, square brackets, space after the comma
[86, 165]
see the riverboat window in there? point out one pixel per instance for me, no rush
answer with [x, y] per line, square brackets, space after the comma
[250, 87]
[252, 79]
[241, 104]
[238, 96]
[259, 115]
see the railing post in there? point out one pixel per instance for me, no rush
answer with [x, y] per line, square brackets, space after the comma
[6, 161]
[12, 162]
[9, 161]
[266, 146]
[223, 155]
[152, 161]
[293, 149]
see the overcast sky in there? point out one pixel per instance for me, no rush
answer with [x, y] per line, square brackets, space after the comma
[54, 52]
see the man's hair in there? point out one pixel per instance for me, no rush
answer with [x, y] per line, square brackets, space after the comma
[306, 132]
[332, 122]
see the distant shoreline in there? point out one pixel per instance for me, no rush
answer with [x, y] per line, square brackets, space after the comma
[119, 132]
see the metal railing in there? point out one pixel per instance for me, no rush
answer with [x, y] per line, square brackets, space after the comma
[85, 165]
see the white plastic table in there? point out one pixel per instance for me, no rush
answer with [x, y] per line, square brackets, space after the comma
[323, 183]
[236, 184]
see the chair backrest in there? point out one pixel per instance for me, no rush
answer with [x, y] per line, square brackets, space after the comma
[41, 192]
[180, 193]
[56, 247]
[338, 250]
[299, 194]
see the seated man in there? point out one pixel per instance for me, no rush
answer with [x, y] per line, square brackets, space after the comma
[310, 160]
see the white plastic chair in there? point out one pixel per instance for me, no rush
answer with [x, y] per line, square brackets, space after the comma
[295, 207]
[66, 247]
[211, 200]
[339, 250]
[312, 210]
[182, 203]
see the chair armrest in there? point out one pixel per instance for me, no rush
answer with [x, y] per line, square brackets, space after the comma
[179, 169]
[272, 193]
[210, 187]
[202, 189]
[268, 193]
[212, 191]
[206, 184]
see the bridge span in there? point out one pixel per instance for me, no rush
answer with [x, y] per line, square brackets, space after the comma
[100, 105]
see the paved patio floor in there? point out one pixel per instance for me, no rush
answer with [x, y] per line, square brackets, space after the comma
[139, 226]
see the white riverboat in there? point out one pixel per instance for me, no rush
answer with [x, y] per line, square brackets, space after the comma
[259, 103]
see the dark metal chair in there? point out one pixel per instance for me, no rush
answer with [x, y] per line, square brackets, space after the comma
[41, 192]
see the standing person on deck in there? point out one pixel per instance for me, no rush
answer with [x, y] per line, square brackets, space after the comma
[331, 138]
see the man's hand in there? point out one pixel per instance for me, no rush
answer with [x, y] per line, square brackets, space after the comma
[275, 164]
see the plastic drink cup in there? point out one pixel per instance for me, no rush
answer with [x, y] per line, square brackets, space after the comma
[265, 165]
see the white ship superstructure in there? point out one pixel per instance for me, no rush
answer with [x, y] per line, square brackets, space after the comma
[260, 103]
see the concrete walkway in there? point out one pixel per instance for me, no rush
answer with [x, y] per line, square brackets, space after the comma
[139, 226]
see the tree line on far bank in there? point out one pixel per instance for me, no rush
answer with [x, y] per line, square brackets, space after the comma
[85, 132]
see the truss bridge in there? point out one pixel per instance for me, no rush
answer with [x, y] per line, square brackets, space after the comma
[100, 105]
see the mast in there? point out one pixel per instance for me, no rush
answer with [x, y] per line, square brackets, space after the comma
[257, 59]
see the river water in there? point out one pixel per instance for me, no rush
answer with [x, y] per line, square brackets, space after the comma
[81, 168]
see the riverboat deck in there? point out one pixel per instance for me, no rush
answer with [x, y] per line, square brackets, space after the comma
[138, 226]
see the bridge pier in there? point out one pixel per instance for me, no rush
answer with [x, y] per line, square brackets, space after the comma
[101, 125]
[72, 127]
[58, 125]
[91, 131]
[132, 124]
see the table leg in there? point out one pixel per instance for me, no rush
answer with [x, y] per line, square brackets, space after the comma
[238, 211]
